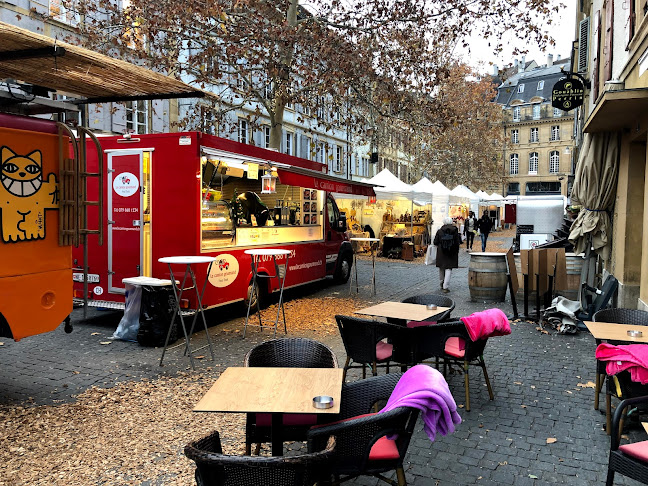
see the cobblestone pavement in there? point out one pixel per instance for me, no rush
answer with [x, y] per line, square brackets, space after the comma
[538, 381]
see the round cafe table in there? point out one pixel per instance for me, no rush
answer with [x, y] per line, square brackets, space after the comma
[257, 256]
[187, 261]
[373, 245]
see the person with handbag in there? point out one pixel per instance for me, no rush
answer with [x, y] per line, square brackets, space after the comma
[470, 228]
[447, 241]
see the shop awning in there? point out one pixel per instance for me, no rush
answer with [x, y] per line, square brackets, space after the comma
[296, 176]
[40, 60]
[618, 110]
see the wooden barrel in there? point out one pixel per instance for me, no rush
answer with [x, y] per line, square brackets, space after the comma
[487, 277]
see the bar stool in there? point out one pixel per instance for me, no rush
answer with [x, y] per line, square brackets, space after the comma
[188, 261]
[256, 256]
[373, 243]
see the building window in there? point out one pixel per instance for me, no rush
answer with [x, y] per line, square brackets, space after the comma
[533, 163]
[543, 188]
[338, 159]
[554, 162]
[320, 154]
[536, 112]
[137, 117]
[534, 137]
[514, 164]
[266, 136]
[306, 145]
[514, 188]
[540, 85]
[520, 88]
[243, 135]
[555, 132]
[516, 113]
[290, 143]
[557, 112]
[515, 136]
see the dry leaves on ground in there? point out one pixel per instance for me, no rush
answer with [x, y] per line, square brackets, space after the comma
[314, 315]
[131, 433]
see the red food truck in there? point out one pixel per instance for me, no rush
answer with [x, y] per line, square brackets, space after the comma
[177, 194]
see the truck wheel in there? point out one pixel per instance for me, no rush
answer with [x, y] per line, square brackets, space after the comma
[261, 295]
[343, 270]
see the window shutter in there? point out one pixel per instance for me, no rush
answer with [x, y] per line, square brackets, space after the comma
[609, 30]
[631, 20]
[583, 44]
[595, 54]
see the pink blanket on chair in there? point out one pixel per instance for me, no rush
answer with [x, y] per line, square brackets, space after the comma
[631, 357]
[485, 324]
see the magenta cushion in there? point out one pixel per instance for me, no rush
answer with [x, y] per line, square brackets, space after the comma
[638, 450]
[383, 450]
[420, 323]
[288, 419]
[383, 351]
[455, 346]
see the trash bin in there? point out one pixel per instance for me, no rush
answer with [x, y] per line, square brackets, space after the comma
[127, 329]
[156, 313]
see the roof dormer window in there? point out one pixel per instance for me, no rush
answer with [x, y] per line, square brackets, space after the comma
[540, 85]
[520, 88]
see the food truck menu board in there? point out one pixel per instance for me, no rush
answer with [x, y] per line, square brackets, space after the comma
[310, 207]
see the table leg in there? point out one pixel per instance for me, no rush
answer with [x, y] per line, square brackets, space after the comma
[177, 293]
[254, 289]
[200, 310]
[280, 306]
[373, 263]
[276, 434]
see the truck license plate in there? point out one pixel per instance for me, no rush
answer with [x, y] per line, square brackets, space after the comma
[92, 277]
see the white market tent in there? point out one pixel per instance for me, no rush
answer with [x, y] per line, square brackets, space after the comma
[482, 195]
[463, 191]
[441, 200]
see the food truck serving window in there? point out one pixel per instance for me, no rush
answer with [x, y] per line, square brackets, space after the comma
[235, 212]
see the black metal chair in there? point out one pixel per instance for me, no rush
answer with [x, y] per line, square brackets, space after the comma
[367, 443]
[439, 300]
[631, 460]
[363, 341]
[450, 342]
[285, 353]
[213, 468]
[621, 385]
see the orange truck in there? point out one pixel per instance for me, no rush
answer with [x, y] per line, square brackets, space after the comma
[40, 220]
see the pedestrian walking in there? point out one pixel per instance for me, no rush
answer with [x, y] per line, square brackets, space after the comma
[470, 228]
[484, 225]
[447, 241]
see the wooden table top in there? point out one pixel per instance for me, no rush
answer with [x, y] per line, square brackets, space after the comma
[278, 390]
[610, 331]
[400, 310]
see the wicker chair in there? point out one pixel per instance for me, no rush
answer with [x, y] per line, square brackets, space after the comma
[363, 342]
[213, 468]
[362, 447]
[439, 300]
[451, 342]
[622, 382]
[627, 459]
[286, 353]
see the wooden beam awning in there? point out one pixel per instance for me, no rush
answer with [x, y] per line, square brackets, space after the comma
[75, 71]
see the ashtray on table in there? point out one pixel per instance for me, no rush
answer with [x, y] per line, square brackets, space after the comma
[323, 401]
[635, 333]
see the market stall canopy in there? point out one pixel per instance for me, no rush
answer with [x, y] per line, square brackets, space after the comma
[594, 189]
[439, 188]
[482, 195]
[391, 187]
[45, 62]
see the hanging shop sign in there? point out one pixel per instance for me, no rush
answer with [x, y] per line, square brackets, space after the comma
[567, 94]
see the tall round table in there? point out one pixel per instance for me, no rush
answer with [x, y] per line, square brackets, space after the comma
[373, 245]
[187, 261]
[256, 256]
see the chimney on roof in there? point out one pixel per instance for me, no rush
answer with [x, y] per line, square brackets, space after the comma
[495, 70]
[557, 57]
[549, 60]
[522, 64]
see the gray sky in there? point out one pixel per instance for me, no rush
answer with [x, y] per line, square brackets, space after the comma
[562, 30]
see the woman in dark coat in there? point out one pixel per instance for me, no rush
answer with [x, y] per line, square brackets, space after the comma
[447, 241]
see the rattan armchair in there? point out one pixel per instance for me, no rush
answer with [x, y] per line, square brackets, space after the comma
[450, 342]
[440, 300]
[363, 341]
[213, 468]
[621, 386]
[285, 353]
[367, 443]
[628, 459]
